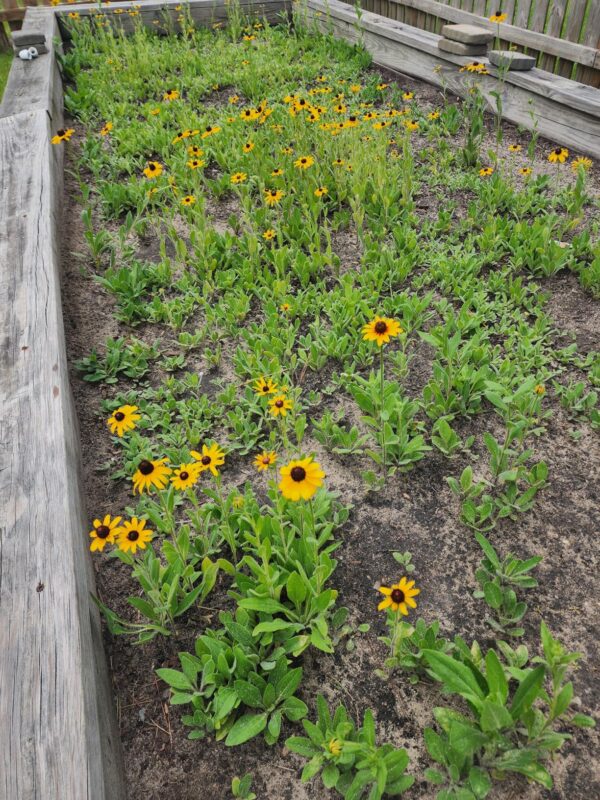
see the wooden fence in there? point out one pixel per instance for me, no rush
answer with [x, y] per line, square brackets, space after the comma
[564, 35]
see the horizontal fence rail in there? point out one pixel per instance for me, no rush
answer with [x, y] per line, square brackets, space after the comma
[563, 35]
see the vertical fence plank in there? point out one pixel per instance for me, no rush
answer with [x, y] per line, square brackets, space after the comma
[572, 31]
[554, 23]
[591, 37]
[521, 17]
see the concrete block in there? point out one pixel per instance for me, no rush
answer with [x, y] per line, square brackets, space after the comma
[511, 59]
[460, 49]
[21, 40]
[467, 34]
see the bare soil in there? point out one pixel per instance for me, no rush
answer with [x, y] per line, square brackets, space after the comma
[415, 512]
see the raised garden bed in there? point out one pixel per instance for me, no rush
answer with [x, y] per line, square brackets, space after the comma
[186, 284]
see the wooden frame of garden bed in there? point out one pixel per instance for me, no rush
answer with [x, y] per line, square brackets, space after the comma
[563, 110]
[60, 740]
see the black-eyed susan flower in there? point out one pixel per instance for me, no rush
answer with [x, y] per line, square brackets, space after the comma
[514, 148]
[151, 474]
[498, 17]
[280, 405]
[195, 151]
[134, 534]
[108, 126]
[185, 476]
[582, 161]
[381, 330]
[239, 177]
[233, 99]
[473, 66]
[248, 147]
[304, 162]
[273, 196]
[171, 94]
[277, 172]
[339, 162]
[62, 135]
[153, 169]
[300, 479]
[210, 130]
[355, 88]
[540, 389]
[287, 151]
[382, 86]
[285, 307]
[265, 386]
[195, 163]
[321, 191]
[155, 112]
[558, 156]
[399, 597]
[123, 419]
[485, 172]
[411, 125]
[433, 115]
[268, 234]
[210, 458]
[73, 15]
[188, 200]
[408, 96]
[104, 532]
[525, 171]
[265, 460]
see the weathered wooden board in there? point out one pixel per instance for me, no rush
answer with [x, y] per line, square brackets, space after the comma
[155, 14]
[565, 111]
[35, 85]
[58, 739]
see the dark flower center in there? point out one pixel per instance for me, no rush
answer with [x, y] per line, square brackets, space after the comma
[151, 167]
[119, 416]
[475, 64]
[397, 596]
[206, 460]
[266, 460]
[279, 403]
[61, 132]
[146, 467]
[184, 475]
[102, 531]
[298, 474]
[208, 129]
[380, 327]
[133, 536]
[558, 151]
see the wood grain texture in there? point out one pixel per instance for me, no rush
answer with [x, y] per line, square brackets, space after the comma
[414, 52]
[57, 734]
[581, 54]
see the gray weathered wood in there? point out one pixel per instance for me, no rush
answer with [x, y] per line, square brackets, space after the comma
[58, 738]
[565, 111]
[581, 54]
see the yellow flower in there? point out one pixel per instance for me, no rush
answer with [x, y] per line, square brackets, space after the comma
[155, 111]
[355, 87]
[195, 151]
[108, 126]
[410, 125]
[104, 532]
[265, 460]
[485, 172]
[248, 147]
[134, 534]
[473, 66]
[408, 96]
[62, 135]
[153, 170]
[433, 115]
[335, 747]
[265, 386]
[399, 596]
[381, 330]
[280, 405]
[540, 389]
[339, 162]
[498, 17]
[239, 177]
[195, 163]
[287, 151]
[123, 419]
[586, 163]
[300, 479]
[273, 196]
[73, 15]
[188, 200]
[268, 234]
[525, 171]
[171, 94]
[151, 474]
[304, 162]
[210, 458]
[320, 191]
[233, 99]
[285, 307]
[514, 148]
[185, 476]
[382, 86]
[277, 172]
[210, 130]
[558, 156]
